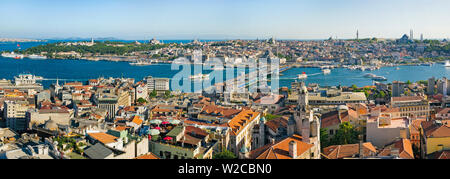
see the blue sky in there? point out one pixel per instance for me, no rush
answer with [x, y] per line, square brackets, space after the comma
[223, 19]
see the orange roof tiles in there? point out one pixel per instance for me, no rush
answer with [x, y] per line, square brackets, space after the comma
[348, 150]
[241, 120]
[404, 147]
[276, 123]
[103, 137]
[225, 112]
[137, 120]
[148, 156]
[431, 129]
[280, 150]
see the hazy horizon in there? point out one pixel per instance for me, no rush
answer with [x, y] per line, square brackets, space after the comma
[223, 19]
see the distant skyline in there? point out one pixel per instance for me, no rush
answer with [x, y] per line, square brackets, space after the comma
[223, 19]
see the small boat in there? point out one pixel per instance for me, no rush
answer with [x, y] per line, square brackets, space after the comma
[397, 68]
[369, 75]
[379, 78]
[302, 76]
[326, 71]
[447, 63]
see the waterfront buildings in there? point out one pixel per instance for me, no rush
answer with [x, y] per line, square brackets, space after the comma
[104, 113]
[22, 82]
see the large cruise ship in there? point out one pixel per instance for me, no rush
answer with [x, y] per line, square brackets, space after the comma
[36, 56]
[12, 55]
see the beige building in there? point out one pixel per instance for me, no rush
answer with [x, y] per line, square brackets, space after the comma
[14, 112]
[59, 116]
[331, 98]
[411, 106]
[240, 130]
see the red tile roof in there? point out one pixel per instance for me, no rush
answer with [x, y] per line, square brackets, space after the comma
[348, 150]
[280, 150]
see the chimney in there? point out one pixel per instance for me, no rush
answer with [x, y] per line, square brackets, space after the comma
[293, 149]
[272, 140]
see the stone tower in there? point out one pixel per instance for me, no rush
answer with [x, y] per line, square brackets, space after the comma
[304, 123]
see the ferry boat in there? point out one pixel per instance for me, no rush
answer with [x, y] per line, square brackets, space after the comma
[36, 56]
[326, 71]
[302, 76]
[447, 63]
[379, 78]
[369, 75]
[12, 55]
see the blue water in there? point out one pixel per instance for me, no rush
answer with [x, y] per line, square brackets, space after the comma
[348, 77]
[82, 70]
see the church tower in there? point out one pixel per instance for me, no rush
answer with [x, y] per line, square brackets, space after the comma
[304, 123]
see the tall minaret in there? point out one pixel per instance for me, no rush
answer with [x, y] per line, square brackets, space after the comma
[357, 34]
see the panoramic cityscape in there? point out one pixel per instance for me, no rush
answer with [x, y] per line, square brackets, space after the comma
[91, 93]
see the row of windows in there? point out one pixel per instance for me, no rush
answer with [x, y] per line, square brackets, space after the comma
[414, 108]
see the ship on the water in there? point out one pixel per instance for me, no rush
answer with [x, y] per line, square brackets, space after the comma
[447, 63]
[302, 76]
[33, 56]
[379, 78]
[369, 75]
[12, 55]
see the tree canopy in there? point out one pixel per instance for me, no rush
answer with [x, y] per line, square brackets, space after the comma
[225, 154]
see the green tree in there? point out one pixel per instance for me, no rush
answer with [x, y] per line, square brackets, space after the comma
[382, 94]
[324, 138]
[153, 94]
[141, 101]
[354, 87]
[225, 154]
[271, 116]
[346, 134]
[167, 94]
